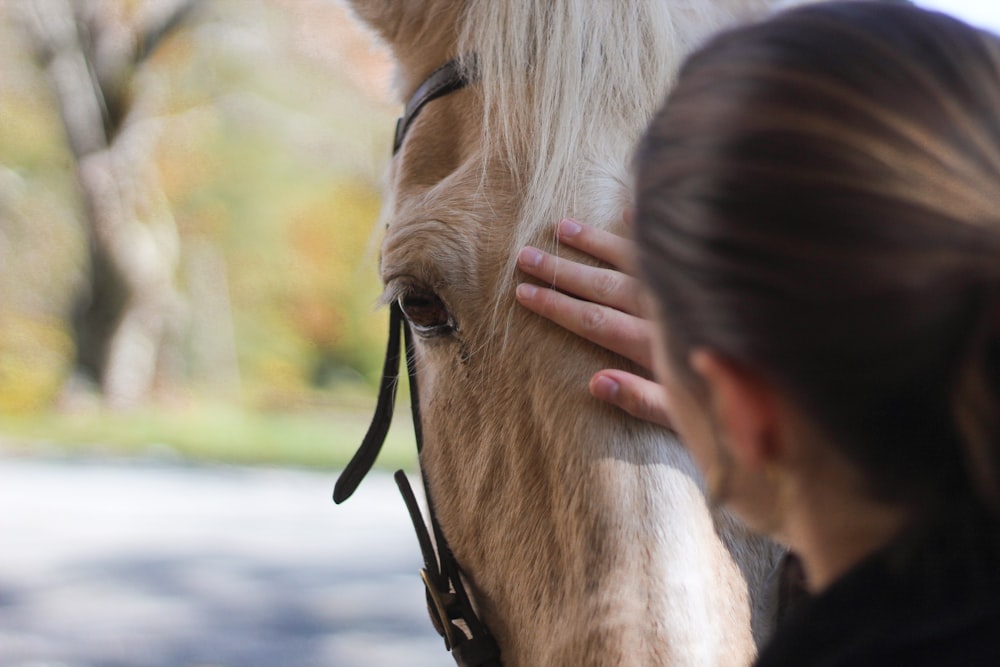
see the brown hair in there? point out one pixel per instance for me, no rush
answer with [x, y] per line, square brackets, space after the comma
[819, 200]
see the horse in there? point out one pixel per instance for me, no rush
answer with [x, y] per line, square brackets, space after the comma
[584, 536]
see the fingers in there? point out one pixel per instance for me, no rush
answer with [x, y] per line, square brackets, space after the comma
[605, 246]
[605, 286]
[599, 305]
[637, 396]
[612, 329]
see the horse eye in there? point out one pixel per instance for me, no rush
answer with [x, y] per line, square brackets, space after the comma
[426, 313]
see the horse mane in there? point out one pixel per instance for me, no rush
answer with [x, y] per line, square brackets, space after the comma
[567, 87]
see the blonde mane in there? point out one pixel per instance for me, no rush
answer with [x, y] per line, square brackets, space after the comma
[567, 87]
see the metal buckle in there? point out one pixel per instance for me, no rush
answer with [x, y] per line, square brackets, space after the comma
[439, 603]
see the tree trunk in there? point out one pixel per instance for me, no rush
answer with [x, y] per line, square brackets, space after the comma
[129, 317]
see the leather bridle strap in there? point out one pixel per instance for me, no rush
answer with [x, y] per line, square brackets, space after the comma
[453, 75]
[449, 605]
[364, 458]
[451, 610]
[448, 78]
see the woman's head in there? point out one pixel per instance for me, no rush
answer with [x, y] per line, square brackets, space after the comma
[819, 202]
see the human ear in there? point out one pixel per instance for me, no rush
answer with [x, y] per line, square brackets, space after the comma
[744, 407]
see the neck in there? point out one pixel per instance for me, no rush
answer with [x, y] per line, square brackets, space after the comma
[832, 531]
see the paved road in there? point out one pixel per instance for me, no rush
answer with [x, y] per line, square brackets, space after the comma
[164, 565]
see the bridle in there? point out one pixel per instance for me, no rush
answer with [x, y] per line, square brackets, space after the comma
[451, 610]
[450, 77]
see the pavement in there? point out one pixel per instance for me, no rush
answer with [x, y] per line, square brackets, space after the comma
[146, 564]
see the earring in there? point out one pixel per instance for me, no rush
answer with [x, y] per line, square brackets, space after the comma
[772, 473]
[778, 479]
[716, 481]
[717, 477]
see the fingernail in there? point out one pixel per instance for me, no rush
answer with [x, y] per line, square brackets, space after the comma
[526, 291]
[569, 227]
[606, 388]
[529, 257]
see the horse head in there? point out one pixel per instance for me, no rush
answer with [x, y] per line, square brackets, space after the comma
[584, 535]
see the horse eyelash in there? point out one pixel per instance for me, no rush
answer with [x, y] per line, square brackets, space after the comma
[389, 295]
[395, 287]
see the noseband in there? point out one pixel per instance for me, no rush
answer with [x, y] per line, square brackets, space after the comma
[451, 610]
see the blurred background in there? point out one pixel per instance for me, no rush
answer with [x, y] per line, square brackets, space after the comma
[190, 341]
[188, 194]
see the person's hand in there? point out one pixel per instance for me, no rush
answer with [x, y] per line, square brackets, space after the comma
[601, 305]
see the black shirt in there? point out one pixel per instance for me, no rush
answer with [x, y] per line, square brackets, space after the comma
[927, 601]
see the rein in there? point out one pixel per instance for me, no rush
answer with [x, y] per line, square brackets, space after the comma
[448, 603]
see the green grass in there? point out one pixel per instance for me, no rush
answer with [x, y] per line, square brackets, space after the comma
[321, 439]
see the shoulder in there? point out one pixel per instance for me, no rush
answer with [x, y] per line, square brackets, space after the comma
[952, 635]
[935, 609]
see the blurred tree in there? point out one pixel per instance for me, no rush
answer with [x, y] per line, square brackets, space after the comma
[239, 152]
[283, 175]
[126, 322]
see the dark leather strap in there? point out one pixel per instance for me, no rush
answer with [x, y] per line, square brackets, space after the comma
[450, 607]
[447, 602]
[364, 458]
[446, 79]
[451, 610]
